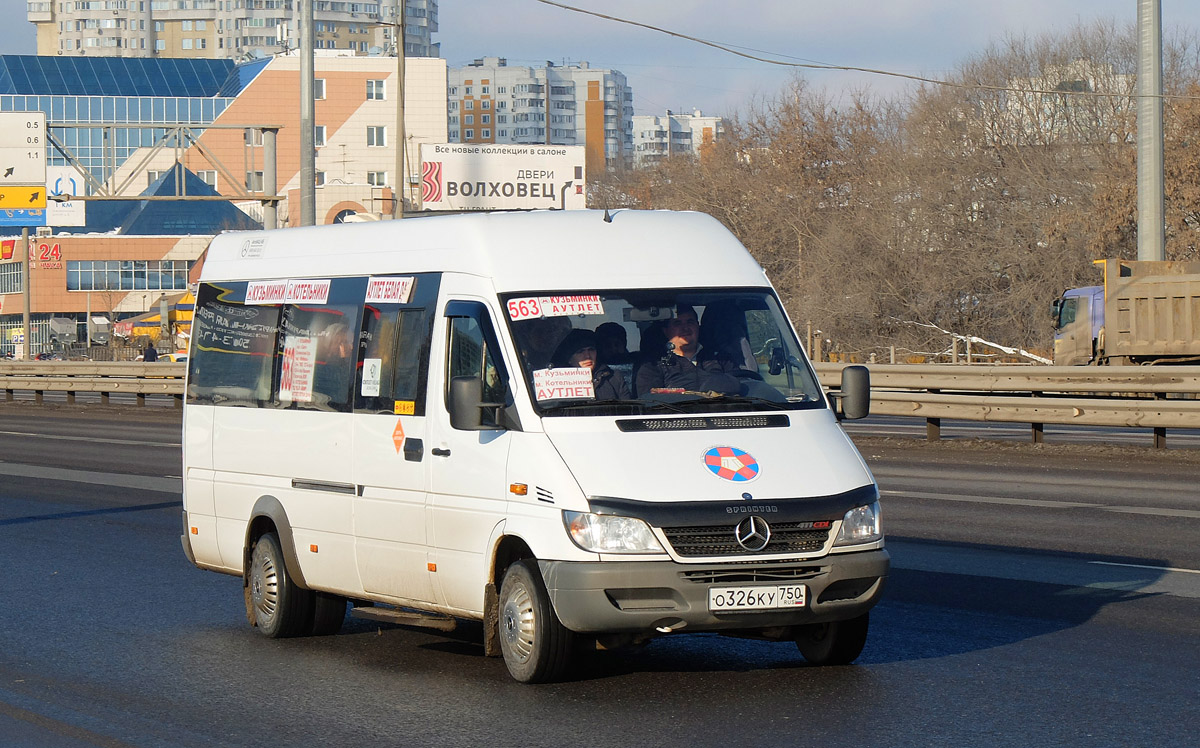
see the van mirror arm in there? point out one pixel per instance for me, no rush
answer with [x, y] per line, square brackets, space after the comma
[854, 399]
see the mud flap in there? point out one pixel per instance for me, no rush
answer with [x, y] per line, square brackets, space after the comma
[491, 621]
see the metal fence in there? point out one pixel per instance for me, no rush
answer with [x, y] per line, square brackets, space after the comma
[104, 377]
[1159, 398]
[1155, 397]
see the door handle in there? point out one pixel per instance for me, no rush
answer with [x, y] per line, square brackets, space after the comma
[439, 452]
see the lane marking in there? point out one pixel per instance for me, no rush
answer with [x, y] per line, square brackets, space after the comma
[1108, 576]
[1144, 566]
[121, 480]
[59, 727]
[991, 500]
[90, 439]
[1145, 510]
[1194, 514]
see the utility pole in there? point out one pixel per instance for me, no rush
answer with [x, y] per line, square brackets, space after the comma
[401, 178]
[308, 152]
[26, 293]
[1151, 232]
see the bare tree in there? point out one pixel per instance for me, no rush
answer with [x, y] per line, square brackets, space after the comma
[963, 209]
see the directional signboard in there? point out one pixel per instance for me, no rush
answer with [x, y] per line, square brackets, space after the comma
[24, 197]
[22, 160]
[64, 180]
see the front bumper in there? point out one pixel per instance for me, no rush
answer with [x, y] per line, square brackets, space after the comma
[644, 596]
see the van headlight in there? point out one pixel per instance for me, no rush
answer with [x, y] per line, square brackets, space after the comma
[603, 533]
[860, 525]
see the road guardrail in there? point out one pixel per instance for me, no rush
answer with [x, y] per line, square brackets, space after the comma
[1155, 397]
[104, 377]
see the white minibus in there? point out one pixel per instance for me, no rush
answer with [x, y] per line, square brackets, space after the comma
[582, 428]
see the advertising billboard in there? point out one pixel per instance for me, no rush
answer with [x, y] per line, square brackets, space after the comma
[485, 176]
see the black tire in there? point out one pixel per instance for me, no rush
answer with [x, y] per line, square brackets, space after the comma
[329, 612]
[836, 643]
[280, 608]
[536, 647]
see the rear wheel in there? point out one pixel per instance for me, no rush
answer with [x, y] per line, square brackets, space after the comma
[536, 646]
[836, 643]
[279, 607]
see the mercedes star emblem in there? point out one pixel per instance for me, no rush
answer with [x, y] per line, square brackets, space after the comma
[753, 533]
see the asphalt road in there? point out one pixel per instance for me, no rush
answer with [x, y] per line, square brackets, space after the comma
[1043, 596]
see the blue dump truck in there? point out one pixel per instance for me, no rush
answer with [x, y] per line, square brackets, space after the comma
[1147, 312]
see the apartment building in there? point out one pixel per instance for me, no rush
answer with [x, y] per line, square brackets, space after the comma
[490, 101]
[234, 29]
[658, 137]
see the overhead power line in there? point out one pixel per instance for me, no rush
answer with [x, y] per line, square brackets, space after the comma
[855, 69]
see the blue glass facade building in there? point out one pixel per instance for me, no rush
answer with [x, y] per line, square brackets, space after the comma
[79, 92]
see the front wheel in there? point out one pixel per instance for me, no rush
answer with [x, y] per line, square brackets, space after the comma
[836, 643]
[279, 607]
[535, 645]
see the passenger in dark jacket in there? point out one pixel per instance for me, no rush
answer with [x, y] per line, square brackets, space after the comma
[677, 367]
[579, 349]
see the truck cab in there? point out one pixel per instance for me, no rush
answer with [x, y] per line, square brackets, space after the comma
[1078, 319]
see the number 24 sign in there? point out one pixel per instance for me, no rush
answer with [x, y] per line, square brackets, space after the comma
[49, 253]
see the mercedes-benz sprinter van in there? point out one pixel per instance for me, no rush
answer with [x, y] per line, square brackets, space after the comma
[573, 426]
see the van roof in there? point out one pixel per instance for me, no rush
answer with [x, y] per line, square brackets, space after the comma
[519, 251]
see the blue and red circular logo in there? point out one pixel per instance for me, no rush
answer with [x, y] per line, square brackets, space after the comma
[731, 463]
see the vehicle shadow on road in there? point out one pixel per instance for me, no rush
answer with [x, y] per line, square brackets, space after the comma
[929, 614]
[924, 614]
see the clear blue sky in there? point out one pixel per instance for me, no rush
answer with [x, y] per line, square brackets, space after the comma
[923, 37]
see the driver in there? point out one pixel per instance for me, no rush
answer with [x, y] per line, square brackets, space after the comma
[680, 368]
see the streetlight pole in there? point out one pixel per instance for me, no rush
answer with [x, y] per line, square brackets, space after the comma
[398, 179]
[1151, 237]
[401, 176]
[308, 153]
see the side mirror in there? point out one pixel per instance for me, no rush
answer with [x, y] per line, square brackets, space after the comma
[467, 406]
[856, 392]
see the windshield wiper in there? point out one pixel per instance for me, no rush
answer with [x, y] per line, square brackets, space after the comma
[645, 405]
[717, 397]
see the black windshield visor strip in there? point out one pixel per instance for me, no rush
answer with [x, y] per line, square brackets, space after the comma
[684, 513]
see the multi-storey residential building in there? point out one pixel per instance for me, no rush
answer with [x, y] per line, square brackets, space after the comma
[656, 138]
[1049, 108]
[236, 29]
[491, 102]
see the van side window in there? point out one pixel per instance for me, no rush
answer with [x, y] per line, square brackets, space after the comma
[470, 355]
[393, 349]
[234, 347]
[393, 352]
[316, 354]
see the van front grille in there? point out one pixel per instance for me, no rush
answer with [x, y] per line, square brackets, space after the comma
[721, 540]
[756, 573]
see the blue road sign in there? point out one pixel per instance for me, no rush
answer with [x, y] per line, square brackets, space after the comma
[20, 217]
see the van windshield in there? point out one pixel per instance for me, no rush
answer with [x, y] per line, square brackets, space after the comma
[678, 351]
